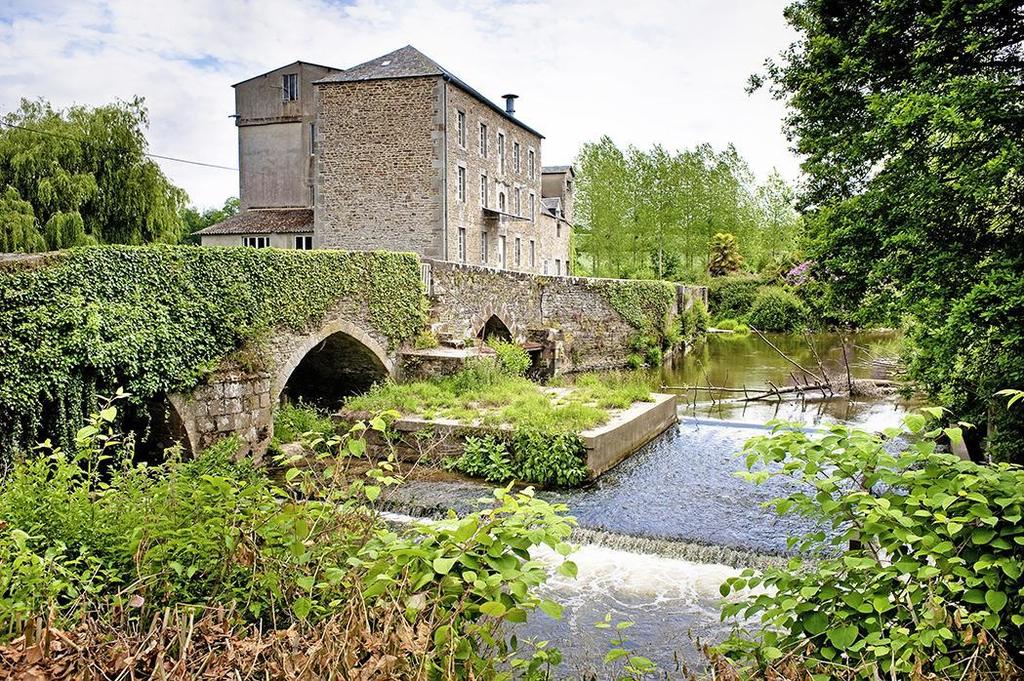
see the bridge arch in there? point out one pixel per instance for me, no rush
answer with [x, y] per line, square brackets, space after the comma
[338, 359]
[486, 320]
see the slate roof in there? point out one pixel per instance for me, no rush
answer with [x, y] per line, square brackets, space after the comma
[555, 170]
[408, 62]
[264, 221]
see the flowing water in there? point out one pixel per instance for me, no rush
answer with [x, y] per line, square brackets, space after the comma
[662, 530]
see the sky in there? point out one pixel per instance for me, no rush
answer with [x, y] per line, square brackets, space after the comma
[643, 72]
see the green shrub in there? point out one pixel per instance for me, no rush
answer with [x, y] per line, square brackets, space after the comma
[529, 455]
[918, 576]
[725, 258]
[776, 309]
[425, 340]
[484, 457]
[90, 535]
[694, 321]
[513, 359]
[736, 327]
[732, 297]
[292, 422]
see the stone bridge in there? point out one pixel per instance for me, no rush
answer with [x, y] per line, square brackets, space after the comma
[573, 323]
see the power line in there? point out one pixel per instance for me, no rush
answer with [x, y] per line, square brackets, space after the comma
[145, 153]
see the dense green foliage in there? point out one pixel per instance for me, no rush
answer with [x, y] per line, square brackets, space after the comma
[542, 457]
[732, 297]
[645, 304]
[917, 569]
[512, 359]
[90, 536]
[725, 258]
[156, 319]
[776, 309]
[193, 220]
[911, 118]
[652, 214]
[80, 176]
[292, 422]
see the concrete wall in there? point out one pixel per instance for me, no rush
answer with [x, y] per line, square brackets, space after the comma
[275, 157]
[379, 177]
[276, 240]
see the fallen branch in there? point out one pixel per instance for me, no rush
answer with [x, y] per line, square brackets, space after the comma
[789, 359]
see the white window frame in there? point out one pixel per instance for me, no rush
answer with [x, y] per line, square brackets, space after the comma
[501, 151]
[462, 244]
[518, 202]
[460, 127]
[558, 229]
[460, 183]
[531, 160]
[502, 251]
[519, 252]
[483, 247]
[303, 242]
[533, 253]
[256, 241]
[483, 140]
[533, 206]
[517, 164]
[558, 267]
[484, 190]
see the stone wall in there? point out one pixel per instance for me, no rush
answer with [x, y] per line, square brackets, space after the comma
[379, 180]
[571, 313]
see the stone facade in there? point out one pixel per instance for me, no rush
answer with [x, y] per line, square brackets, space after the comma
[378, 176]
[513, 222]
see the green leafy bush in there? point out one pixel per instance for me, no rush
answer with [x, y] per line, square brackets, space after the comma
[917, 570]
[292, 422]
[776, 309]
[88, 536]
[543, 457]
[725, 258]
[732, 297]
[155, 319]
[513, 360]
[732, 325]
[425, 340]
[694, 321]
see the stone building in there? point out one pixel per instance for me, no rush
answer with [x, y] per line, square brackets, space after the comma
[396, 153]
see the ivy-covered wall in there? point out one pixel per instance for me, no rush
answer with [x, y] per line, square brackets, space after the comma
[156, 319]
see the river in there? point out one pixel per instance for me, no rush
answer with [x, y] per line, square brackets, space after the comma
[660, 532]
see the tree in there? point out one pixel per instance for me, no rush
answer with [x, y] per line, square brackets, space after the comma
[85, 177]
[725, 258]
[193, 220]
[911, 118]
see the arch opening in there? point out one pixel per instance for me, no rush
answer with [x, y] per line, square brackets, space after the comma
[155, 426]
[495, 328]
[337, 367]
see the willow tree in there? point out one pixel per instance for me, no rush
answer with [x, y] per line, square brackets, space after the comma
[83, 175]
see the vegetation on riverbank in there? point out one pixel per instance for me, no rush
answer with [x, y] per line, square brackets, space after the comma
[917, 572]
[156, 319]
[484, 395]
[219, 567]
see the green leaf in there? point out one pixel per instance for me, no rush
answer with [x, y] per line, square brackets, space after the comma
[551, 609]
[996, 600]
[371, 492]
[568, 568]
[443, 566]
[614, 654]
[493, 608]
[301, 607]
[842, 637]
[815, 623]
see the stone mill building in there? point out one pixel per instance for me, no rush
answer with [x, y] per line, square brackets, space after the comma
[399, 154]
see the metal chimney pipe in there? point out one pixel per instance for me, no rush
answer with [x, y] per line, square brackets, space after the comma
[510, 104]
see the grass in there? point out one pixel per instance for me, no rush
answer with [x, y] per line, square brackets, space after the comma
[484, 394]
[292, 421]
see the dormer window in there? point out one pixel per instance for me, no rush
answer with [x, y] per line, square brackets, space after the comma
[290, 87]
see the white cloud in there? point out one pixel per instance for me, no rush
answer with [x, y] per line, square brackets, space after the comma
[643, 72]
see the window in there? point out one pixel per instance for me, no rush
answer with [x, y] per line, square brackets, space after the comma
[558, 267]
[462, 183]
[312, 139]
[516, 164]
[518, 202]
[462, 244]
[530, 164]
[290, 87]
[501, 151]
[558, 230]
[501, 252]
[461, 128]
[519, 252]
[483, 140]
[304, 242]
[256, 241]
[483, 190]
[533, 205]
[501, 201]
[545, 267]
[533, 253]
[483, 247]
